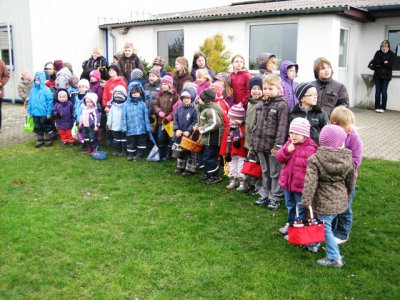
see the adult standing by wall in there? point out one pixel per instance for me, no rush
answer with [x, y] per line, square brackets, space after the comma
[331, 93]
[382, 64]
[96, 62]
[129, 61]
[4, 77]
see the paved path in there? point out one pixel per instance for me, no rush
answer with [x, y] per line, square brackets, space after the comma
[380, 133]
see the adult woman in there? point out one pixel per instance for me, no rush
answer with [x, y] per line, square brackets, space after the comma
[96, 62]
[382, 64]
[200, 62]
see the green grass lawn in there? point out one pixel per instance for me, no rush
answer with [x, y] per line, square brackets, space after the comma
[75, 228]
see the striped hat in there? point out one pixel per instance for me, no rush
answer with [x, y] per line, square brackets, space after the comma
[332, 136]
[302, 88]
[300, 126]
[237, 112]
[167, 80]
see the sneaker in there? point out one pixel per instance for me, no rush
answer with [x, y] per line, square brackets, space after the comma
[339, 241]
[262, 201]
[274, 205]
[286, 237]
[312, 249]
[336, 263]
[213, 179]
[187, 174]
[249, 189]
[204, 177]
[284, 230]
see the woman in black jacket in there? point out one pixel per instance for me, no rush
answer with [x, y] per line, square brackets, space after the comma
[382, 64]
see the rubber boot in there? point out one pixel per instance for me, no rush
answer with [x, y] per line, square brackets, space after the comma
[232, 183]
[242, 185]
[40, 141]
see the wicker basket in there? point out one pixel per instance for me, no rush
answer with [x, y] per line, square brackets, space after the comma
[189, 144]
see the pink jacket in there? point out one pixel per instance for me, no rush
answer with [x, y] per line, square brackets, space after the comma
[293, 172]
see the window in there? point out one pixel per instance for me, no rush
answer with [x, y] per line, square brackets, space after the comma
[170, 45]
[344, 42]
[279, 39]
[6, 51]
[394, 40]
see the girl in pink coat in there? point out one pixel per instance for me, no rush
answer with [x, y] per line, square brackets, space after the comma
[294, 155]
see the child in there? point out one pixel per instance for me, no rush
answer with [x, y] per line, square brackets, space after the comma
[203, 80]
[328, 184]
[24, 86]
[114, 120]
[62, 113]
[158, 63]
[288, 71]
[211, 128]
[345, 118]
[181, 73]
[136, 76]
[83, 88]
[135, 122]
[185, 119]
[268, 136]
[294, 155]
[152, 89]
[63, 75]
[232, 147]
[115, 79]
[199, 63]
[309, 109]
[240, 81]
[73, 88]
[95, 85]
[40, 107]
[224, 81]
[129, 61]
[163, 109]
[256, 94]
[89, 122]
[331, 93]
[266, 64]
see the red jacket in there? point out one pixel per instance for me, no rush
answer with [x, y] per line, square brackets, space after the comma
[241, 151]
[293, 172]
[109, 87]
[240, 86]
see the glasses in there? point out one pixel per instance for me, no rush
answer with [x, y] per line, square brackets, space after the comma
[311, 95]
[48, 69]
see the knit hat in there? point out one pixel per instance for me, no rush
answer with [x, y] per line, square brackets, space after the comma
[208, 95]
[159, 61]
[237, 112]
[115, 68]
[255, 81]
[84, 82]
[300, 126]
[262, 59]
[91, 96]
[191, 91]
[119, 94]
[155, 71]
[96, 74]
[183, 61]
[332, 136]
[58, 65]
[136, 74]
[302, 88]
[167, 80]
[223, 77]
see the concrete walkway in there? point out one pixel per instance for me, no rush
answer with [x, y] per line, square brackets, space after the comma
[380, 133]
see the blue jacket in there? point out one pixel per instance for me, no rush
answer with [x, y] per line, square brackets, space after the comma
[40, 98]
[77, 106]
[135, 116]
[185, 118]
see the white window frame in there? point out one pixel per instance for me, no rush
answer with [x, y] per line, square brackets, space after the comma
[166, 30]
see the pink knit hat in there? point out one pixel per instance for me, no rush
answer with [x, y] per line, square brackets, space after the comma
[237, 112]
[167, 80]
[332, 136]
[58, 64]
[300, 126]
[96, 74]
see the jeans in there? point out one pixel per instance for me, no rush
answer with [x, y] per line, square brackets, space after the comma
[341, 225]
[291, 200]
[381, 86]
[332, 248]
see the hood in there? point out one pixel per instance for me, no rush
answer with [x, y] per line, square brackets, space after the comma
[262, 59]
[63, 90]
[284, 66]
[192, 92]
[42, 77]
[334, 161]
[135, 85]
[92, 96]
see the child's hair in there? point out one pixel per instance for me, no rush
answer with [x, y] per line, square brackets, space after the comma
[237, 55]
[184, 63]
[226, 79]
[25, 73]
[272, 79]
[204, 73]
[196, 56]
[273, 59]
[129, 45]
[98, 51]
[343, 117]
[319, 64]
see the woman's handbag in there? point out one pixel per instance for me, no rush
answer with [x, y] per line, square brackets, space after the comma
[252, 168]
[154, 154]
[168, 127]
[188, 143]
[371, 65]
[308, 232]
[29, 125]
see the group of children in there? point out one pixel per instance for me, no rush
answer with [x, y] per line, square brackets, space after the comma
[280, 124]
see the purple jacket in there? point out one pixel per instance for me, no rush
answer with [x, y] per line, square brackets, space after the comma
[293, 172]
[354, 144]
[96, 88]
[288, 85]
[62, 113]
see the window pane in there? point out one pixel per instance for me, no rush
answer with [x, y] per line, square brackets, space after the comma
[394, 40]
[170, 45]
[344, 41]
[279, 39]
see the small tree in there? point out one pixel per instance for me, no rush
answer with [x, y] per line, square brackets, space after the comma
[214, 50]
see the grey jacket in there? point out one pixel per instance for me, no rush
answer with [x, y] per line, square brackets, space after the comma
[331, 93]
[329, 180]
